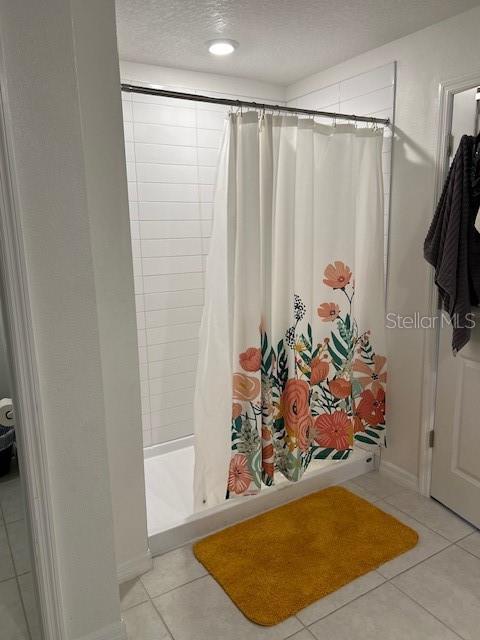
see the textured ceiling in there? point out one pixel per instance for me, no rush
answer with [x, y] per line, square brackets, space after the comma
[281, 41]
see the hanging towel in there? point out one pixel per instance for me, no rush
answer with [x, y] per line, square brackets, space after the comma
[452, 245]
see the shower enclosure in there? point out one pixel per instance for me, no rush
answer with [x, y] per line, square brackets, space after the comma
[172, 150]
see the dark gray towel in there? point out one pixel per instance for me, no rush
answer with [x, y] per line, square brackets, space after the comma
[452, 244]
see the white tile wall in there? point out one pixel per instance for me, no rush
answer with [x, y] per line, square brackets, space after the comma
[371, 93]
[171, 151]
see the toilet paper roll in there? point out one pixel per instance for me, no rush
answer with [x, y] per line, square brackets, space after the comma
[6, 413]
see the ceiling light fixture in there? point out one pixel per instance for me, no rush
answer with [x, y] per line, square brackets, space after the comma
[222, 47]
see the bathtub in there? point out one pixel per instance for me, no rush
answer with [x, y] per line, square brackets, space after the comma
[171, 519]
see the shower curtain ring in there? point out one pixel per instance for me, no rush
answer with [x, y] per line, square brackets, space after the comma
[261, 120]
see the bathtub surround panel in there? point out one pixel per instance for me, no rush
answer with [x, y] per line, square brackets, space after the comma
[168, 191]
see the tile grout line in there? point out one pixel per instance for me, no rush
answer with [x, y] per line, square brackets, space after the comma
[421, 523]
[174, 588]
[17, 575]
[143, 312]
[390, 495]
[452, 544]
[470, 553]
[388, 580]
[304, 628]
[429, 612]
[468, 535]
[347, 603]
[147, 601]
[162, 619]
[385, 581]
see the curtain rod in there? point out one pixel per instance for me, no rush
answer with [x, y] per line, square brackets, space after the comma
[167, 93]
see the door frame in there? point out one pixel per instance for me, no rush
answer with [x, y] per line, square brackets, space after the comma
[447, 90]
[20, 339]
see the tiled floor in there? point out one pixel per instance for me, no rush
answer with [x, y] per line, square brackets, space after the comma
[430, 593]
[18, 613]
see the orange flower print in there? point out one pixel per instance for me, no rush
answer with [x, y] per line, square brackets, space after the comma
[304, 433]
[371, 407]
[374, 376]
[268, 454]
[319, 370]
[337, 275]
[340, 388]
[251, 359]
[294, 403]
[236, 410]
[239, 477]
[334, 430]
[357, 423]
[245, 387]
[328, 311]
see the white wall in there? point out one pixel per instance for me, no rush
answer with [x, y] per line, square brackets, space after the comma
[172, 149]
[424, 59]
[42, 44]
[104, 153]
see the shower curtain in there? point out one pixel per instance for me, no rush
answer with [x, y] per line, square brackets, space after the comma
[292, 362]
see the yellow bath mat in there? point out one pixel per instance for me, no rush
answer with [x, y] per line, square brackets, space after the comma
[279, 562]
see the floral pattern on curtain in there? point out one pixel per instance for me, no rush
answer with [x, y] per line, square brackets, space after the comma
[291, 364]
[333, 396]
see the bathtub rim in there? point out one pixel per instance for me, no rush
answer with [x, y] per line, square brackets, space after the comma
[216, 518]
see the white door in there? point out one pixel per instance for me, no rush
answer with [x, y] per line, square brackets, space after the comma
[456, 447]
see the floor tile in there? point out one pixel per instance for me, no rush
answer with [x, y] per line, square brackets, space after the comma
[144, 623]
[18, 538]
[447, 585]
[173, 569]
[29, 597]
[428, 544]
[201, 610]
[382, 614]
[339, 598]
[11, 500]
[359, 491]
[304, 634]
[13, 625]
[431, 513]
[132, 593]
[471, 543]
[6, 563]
[377, 484]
